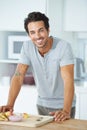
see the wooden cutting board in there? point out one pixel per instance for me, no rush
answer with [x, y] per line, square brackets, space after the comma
[32, 121]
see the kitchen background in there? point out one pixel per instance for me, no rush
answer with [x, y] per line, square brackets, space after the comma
[68, 20]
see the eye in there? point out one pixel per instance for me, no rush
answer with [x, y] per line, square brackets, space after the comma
[41, 30]
[32, 32]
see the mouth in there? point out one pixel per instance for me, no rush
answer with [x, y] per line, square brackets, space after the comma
[39, 41]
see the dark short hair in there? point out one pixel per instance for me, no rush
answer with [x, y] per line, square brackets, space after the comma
[36, 16]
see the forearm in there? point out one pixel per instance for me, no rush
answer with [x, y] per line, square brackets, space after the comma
[64, 114]
[68, 95]
[15, 87]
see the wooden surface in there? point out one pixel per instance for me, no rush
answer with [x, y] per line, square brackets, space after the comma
[71, 124]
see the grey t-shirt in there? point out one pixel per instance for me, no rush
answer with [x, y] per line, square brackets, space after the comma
[46, 70]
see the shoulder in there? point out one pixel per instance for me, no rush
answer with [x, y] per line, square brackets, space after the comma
[60, 43]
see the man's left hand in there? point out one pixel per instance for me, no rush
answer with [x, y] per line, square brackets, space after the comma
[60, 116]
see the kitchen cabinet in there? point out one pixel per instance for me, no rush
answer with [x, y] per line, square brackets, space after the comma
[13, 13]
[81, 102]
[75, 15]
[55, 14]
[26, 100]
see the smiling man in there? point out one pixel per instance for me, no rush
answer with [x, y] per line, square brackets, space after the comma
[52, 63]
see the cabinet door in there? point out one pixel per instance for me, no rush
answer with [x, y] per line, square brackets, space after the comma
[81, 103]
[13, 12]
[75, 15]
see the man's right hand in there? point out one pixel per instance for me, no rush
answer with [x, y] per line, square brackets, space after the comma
[6, 108]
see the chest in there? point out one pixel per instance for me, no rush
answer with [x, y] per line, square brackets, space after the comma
[49, 63]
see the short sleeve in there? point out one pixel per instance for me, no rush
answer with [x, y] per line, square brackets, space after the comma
[67, 56]
[24, 55]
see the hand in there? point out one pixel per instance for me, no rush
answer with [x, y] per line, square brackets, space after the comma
[6, 108]
[60, 116]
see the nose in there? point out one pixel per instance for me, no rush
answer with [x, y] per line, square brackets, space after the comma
[37, 35]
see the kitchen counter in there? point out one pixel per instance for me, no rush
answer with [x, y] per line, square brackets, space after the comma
[72, 124]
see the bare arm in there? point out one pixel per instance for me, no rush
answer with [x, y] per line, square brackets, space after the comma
[16, 83]
[67, 73]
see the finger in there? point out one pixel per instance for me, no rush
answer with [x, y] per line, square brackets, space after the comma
[57, 116]
[11, 110]
[1, 109]
[60, 116]
[52, 113]
[6, 108]
[64, 117]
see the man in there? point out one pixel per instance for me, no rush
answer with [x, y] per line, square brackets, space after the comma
[52, 64]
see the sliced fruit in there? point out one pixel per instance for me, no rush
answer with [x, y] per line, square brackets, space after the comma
[3, 117]
[8, 113]
[25, 115]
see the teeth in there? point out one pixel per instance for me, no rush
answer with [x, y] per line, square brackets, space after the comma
[39, 41]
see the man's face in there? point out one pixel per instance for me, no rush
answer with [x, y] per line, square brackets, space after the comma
[38, 33]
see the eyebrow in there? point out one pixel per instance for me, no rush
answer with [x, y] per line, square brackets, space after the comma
[34, 30]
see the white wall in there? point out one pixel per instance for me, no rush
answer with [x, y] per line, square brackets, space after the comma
[75, 15]
[13, 13]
